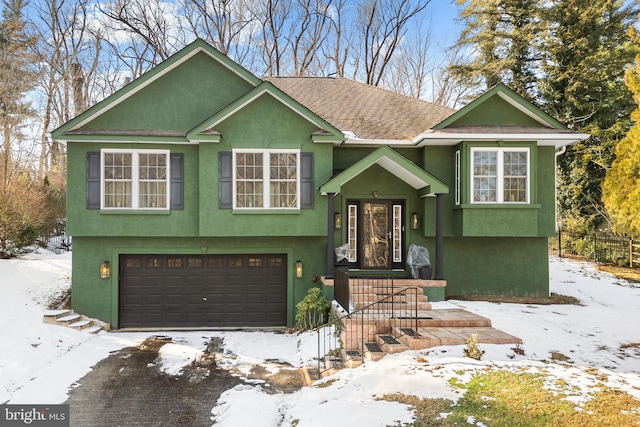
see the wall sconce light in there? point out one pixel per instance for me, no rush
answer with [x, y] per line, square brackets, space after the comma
[414, 221]
[337, 220]
[375, 194]
[299, 269]
[105, 270]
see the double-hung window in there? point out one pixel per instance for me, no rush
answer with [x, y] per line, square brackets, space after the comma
[266, 179]
[135, 179]
[500, 175]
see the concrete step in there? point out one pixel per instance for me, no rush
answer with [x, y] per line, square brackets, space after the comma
[72, 320]
[388, 305]
[384, 290]
[373, 352]
[81, 324]
[68, 319]
[390, 345]
[51, 316]
[93, 329]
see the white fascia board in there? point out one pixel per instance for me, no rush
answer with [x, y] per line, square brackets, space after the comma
[131, 141]
[352, 139]
[547, 139]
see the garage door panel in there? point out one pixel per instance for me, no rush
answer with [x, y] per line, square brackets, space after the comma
[209, 290]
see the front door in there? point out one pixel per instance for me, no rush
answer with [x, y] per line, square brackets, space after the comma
[376, 234]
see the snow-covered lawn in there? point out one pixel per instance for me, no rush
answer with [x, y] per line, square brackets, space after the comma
[597, 341]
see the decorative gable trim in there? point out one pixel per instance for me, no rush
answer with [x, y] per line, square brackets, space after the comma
[206, 132]
[198, 46]
[396, 164]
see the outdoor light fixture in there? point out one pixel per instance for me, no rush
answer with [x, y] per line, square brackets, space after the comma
[337, 220]
[105, 270]
[299, 269]
[414, 220]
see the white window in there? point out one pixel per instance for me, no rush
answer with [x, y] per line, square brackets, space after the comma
[135, 179]
[352, 233]
[266, 179]
[457, 179]
[500, 175]
[397, 233]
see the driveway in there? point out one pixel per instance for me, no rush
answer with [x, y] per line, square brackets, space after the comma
[128, 389]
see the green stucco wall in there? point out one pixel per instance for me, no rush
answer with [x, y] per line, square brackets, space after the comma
[179, 100]
[496, 112]
[99, 297]
[494, 266]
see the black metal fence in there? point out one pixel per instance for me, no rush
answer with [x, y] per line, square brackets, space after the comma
[55, 238]
[598, 247]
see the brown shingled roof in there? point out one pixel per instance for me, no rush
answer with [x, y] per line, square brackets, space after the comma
[368, 111]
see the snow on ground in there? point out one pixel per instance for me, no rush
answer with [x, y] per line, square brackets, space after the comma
[598, 339]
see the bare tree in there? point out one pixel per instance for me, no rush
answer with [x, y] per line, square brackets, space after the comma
[142, 33]
[227, 24]
[383, 24]
[272, 16]
[309, 29]
[447, 87]
[69, 54]
[410, 68]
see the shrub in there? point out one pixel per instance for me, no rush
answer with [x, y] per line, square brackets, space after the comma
[23, 213]
[313, 310]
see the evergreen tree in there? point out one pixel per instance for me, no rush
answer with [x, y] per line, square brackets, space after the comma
[17, 77]
[585, 52]
[621, 187]
[502, 34]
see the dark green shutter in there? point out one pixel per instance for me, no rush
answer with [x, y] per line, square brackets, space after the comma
[306, 181]
[177, 181]
[225, 180]
[93, 180]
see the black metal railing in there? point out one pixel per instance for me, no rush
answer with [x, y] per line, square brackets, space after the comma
[374, 306]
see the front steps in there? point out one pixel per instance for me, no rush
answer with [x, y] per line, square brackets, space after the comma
[72, 320]
[383, 327]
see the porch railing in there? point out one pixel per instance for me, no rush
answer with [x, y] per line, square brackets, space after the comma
[373, 306]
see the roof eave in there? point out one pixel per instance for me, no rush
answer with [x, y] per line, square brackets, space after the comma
[543, 139]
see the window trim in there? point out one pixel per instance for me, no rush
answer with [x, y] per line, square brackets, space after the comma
[500, 175]
[135, 178]
[266, 179]
[458, 167]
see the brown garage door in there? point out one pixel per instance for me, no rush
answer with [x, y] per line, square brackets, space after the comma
[203, 290]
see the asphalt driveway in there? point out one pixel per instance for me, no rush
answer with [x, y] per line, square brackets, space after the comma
[128, 389]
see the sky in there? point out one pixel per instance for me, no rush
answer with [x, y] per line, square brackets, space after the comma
[40, 363]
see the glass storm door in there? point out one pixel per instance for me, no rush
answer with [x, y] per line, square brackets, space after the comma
[376, 234]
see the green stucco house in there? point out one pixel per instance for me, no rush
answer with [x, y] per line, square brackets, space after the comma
[200, 195]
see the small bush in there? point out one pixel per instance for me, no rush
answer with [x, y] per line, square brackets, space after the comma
[313, 310]
[472, 350]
